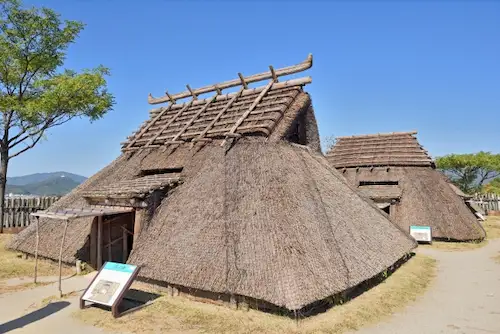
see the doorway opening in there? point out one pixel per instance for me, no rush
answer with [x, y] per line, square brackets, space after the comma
[112, 239]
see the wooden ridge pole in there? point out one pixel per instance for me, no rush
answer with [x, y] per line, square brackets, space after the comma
[274, 74]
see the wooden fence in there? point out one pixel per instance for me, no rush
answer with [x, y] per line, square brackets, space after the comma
[488, 202]
[17, 210]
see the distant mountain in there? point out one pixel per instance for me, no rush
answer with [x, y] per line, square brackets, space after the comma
[44, 184]
[39, 177]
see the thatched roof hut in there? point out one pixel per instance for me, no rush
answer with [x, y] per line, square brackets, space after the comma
[397, 173]
[232, 196]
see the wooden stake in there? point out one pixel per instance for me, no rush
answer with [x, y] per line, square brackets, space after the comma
[192, 93]
[60, 256]
[275, 77]
[36, 248]
[170, 97]
[243, 83]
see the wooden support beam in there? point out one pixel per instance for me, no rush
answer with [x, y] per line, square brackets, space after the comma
[99, 242]
[195, 116]
[150, 124]
[124, 244]
[249, 110]
[183, 109]
[109, 243]
[219, 115]
[237, 82]
[60, 256]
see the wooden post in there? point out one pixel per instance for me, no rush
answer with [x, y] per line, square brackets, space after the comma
[93, 244]
[60, 256]
[139, 215]
[99, 242]
[109, 242]
[36, 247]
[125, 244]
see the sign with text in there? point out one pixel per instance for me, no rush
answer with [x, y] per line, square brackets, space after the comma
[110, 284]
[421, 233]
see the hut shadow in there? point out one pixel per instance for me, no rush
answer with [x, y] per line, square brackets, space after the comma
[33, 316]
[132, 301]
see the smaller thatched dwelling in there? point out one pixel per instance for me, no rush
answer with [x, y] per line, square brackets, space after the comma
[399, 175]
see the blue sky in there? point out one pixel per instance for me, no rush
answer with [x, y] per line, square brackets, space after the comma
[378, 67]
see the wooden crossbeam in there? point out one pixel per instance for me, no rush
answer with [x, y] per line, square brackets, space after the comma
[237, 82]
[188, 124]
[219, 115]
[250, 109]
[146, 128]
[186, 107]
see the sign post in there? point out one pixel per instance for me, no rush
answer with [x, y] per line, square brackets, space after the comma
[110, 285]
[421, 233]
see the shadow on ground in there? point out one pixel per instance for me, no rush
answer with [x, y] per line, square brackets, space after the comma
[33, 316]
[132, 301]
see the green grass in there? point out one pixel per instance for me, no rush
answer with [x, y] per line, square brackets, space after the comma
[183, 315]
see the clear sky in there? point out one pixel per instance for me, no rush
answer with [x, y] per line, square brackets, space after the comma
[378, 67]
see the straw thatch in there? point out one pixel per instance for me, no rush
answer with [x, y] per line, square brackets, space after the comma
[394, 168]
[261, 215]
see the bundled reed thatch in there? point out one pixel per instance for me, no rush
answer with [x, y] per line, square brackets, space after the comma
[258, 214]
[421, 195]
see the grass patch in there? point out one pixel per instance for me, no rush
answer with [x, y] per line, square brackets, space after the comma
[492, 227]
[179, 314]
[12, 266]
[455, 246]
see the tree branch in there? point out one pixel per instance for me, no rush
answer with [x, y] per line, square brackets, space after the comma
[27, 147]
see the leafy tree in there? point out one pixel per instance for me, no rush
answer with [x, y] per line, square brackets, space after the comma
[493, 186]
[470, 171]
[36, 93]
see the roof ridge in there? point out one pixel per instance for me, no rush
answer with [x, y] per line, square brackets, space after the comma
[379, 135]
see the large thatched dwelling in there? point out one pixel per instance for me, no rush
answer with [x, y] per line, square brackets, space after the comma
[231, 196]
[398, 174]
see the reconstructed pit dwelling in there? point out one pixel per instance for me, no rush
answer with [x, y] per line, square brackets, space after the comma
[229, 197]
[397, 173]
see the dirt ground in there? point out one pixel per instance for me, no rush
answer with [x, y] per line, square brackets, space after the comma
[465, 297]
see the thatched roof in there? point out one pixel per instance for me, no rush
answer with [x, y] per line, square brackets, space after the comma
[391, 149]
[382, 168]
[265, 217]
[137, 187]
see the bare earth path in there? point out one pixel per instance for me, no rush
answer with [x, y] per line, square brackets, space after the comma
[464, 298]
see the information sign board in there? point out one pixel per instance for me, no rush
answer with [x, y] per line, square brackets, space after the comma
[110, 284]
[421, 233]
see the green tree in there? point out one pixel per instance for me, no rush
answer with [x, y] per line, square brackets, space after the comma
[470, 171]
[36, 93]
[493, 186]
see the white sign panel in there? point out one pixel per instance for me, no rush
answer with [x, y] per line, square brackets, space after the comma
[421, 233]
[110, 282]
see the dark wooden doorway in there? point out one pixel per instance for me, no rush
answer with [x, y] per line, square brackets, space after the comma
[115, 239]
